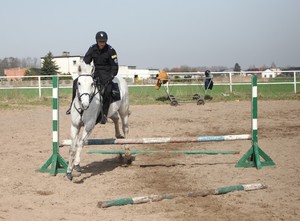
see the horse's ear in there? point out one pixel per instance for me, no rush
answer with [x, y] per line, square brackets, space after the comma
[79, 68]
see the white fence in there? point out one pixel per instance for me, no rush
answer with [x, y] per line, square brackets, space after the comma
[230, 79]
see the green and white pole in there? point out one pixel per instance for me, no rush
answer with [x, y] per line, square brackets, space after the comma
[156, 198]
[55, 127]
[253, 157]
[254, 110]
[58, 164]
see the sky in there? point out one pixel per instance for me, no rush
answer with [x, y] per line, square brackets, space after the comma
[157, 33]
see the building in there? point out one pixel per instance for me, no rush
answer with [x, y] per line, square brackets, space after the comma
[14, 74]
[68, 65]
[270, 73]
[137, 75]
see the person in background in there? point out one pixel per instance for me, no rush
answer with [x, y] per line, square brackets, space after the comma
[208, 84]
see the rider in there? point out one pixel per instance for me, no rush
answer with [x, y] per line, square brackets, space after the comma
[106, 65]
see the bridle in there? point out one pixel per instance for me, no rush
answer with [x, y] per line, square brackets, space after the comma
[91, 95]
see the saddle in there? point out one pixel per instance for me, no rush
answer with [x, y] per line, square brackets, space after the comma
[115, 93]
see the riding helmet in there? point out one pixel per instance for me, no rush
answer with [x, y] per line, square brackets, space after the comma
[101, 36]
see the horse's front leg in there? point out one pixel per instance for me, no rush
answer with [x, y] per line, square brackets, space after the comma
[85, 134]
[72, 151]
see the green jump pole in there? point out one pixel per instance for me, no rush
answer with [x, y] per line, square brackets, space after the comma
[209, 152]
[156, 198]
[58, 164]
[253, 157]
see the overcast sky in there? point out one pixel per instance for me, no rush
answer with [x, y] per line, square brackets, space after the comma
[157, 33]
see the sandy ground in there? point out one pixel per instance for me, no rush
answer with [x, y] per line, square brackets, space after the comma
[26, 144]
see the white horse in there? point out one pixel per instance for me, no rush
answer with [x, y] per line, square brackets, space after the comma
[85, 110]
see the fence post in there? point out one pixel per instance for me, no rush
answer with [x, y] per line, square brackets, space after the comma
[295, 83]
[40, 86]
[230, 82]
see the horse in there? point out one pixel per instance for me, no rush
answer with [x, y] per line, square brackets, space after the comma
[85, 109]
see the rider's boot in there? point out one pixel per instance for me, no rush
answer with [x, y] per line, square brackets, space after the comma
[103, 119]
[104, 113]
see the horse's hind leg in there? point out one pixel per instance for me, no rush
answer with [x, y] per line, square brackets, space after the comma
[115, 119]
[125, 127]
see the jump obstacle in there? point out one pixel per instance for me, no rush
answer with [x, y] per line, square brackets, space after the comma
[251, 159]
[208, 152]
[58, 164]
[160, 140]
[156, 198]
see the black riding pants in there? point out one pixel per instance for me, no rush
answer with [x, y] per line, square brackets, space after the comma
[107, 97]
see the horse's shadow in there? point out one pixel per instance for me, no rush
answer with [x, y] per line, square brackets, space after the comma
[100, 167]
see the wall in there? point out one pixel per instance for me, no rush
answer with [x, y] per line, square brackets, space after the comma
[11, 73]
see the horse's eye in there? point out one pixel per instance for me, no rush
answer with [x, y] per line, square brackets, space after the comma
[78, 83]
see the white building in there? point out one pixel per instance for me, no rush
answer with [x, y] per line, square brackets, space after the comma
[268, 74]
[271, 73]
[137, 74]
[69, 65]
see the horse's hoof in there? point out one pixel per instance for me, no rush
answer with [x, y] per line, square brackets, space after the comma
[78, 168]
[69, 176]
[76, 174]
[128, 161]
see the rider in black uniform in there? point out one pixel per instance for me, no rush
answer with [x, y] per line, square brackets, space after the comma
[106, 65]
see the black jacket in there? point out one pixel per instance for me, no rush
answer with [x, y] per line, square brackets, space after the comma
[105, 62]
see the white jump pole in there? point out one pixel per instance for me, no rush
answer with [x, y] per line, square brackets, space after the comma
[160, 140]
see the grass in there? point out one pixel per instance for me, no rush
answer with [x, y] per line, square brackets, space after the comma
[141, 95]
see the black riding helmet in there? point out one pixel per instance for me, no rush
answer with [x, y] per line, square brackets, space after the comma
[101, 36]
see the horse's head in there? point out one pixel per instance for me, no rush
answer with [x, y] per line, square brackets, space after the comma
[85, 90]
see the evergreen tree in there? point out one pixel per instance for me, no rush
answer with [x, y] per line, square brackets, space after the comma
[237, 67]
[49, 66]
[273, 65]
[33, 72]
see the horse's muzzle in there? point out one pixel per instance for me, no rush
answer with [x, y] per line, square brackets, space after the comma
[85, 101]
